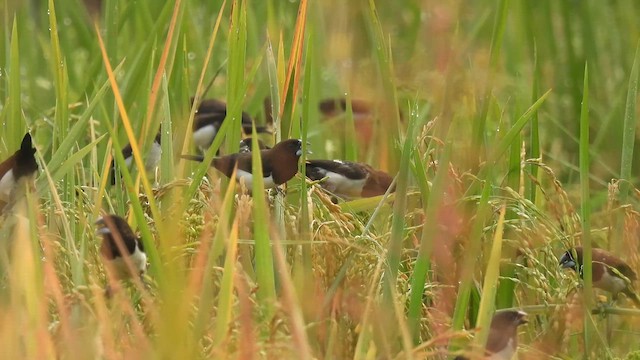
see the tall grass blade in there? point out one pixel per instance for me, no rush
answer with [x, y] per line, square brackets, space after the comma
[534, 138]
[628, 143]
[237, 59]
[585, 215]
[261, 222]
[225, 297]
[423, 262]
[490, 285]
[479, 125]
[13, 127]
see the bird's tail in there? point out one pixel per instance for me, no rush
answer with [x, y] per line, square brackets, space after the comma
[199, 158]
[633, 296]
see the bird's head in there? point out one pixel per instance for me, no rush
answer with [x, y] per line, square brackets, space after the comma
[570, 259]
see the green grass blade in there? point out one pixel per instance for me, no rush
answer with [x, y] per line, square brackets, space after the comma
[470, 258]
[235, 85]
[13, 127]
[534, 139]
[479, 125]
[489, 287]
[225, 297]
[261, 222]
[585, 214]
[628, 143]
[423, 262]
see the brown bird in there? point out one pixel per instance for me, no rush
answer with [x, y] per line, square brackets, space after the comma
[279, 164]
[120, 242]
[502, 342]
[349, 179]
[21, 166]
[208, 120]
[608, 272]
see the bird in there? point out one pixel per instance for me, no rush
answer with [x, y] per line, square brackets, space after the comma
[502, 342]
[348, 179]
[120, 242]
[208, 120]
[246, 145]
[608, 272]
[279, 164]
[152, 158]
[20, 166]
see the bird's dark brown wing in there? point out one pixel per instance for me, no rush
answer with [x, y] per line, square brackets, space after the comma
[602, 256]
[377, 184]
[226, 163]
[350, 170]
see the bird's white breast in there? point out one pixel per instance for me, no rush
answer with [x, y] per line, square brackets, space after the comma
[138, 260]
[343, 186]
[7, 184]
[153, 158]
[506, 353]
[204, 136]
[612, 283]
[247, 177]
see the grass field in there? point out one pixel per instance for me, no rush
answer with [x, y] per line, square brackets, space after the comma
[514, 141]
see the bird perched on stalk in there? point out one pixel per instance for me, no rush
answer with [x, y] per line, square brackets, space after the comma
[151, 159]
[208, 120]
[16, 169]
[608, 272]
[502, 342]
[348, 179]
[279, 164]
[122, 251]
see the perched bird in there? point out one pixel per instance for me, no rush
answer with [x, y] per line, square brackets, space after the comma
[502, 342]
[119, 242]
[18, 167]
[246, 145]
[348, 179]
[279, 164]
[608, 272]
[208, 120]
[152, 159]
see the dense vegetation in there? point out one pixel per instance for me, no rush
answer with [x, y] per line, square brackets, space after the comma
[514, 141]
